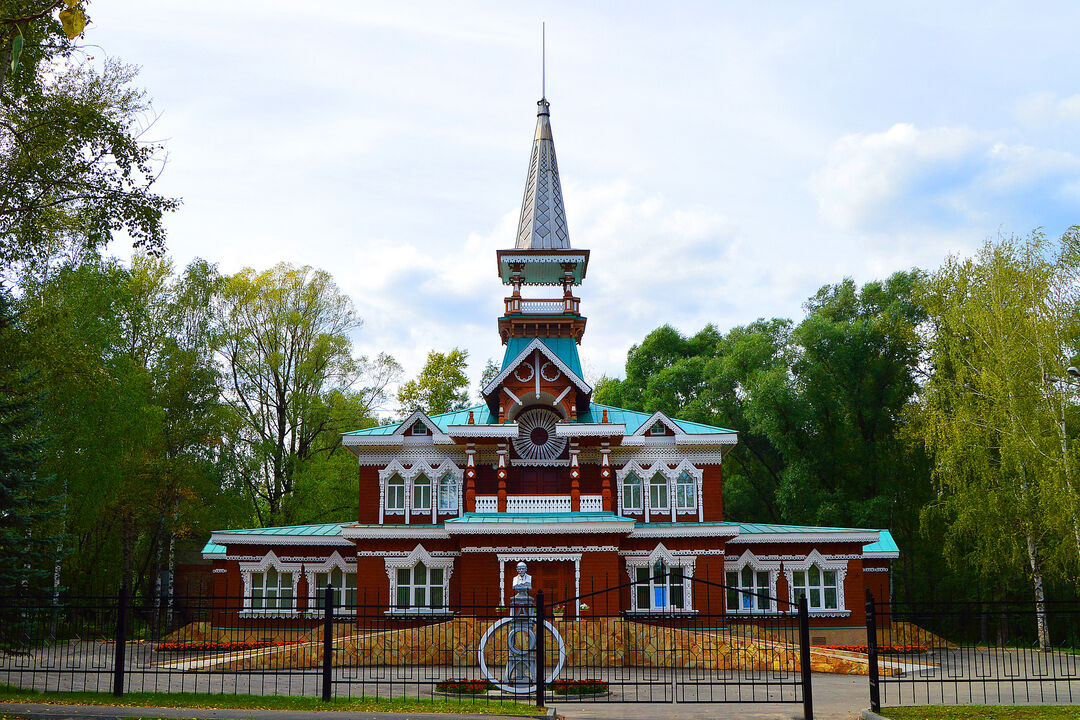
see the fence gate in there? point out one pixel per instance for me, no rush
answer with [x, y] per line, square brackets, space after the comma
[688, 641]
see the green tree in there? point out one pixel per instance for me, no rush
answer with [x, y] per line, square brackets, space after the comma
[285, 342]
[1000, 324]
[74, 165]
[487, 375]
[26, 502]
[442, 385]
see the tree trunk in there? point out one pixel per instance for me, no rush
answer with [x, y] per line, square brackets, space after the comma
[1040, 596]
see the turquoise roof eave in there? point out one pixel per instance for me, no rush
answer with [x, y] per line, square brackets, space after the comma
[319, 529]
[885, 544]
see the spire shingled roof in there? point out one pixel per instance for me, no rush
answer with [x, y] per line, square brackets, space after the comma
[543, 219]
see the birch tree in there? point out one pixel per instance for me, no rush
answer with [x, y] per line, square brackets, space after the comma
[1000, 325]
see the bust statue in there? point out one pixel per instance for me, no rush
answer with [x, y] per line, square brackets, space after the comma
[522, 581]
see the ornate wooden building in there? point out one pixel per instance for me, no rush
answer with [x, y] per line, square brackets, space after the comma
[590, 496]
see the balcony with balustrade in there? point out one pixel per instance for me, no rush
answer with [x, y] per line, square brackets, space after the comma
[539, 504]
[534, 317]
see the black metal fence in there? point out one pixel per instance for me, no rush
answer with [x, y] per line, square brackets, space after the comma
[990, 653]
[573, 650]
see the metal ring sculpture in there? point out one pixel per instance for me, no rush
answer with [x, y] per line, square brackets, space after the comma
[520, 660]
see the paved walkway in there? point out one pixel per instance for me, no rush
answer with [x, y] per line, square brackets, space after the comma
[105, 712]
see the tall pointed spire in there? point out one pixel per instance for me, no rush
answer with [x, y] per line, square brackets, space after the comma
[543, 218]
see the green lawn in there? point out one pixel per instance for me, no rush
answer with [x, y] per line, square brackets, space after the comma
[984, 712]
[268, 702]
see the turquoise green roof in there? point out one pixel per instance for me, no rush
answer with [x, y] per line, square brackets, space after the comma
[325, 529]
[754, 528]
[538, 518]
[564, 348]
[211, 548]
[481, 416]
[633, 420]
[885, 543]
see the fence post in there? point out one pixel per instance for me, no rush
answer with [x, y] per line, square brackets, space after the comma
[121, 640]
[872, 652]
[804, 659]
[327, 641]
[541, 671]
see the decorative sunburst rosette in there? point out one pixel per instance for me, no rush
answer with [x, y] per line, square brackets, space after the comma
[536, 438]
[549, 372]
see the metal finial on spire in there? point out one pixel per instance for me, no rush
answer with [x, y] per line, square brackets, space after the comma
[543, 59]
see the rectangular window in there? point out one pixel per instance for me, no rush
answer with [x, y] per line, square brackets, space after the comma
[421, 494]
[344, 584]
[658, 494]
[684, 493]
[448, 494]
[420, 587]
[821, 588]
[748, 591]
[631, 498]
[395, 493]
[271, 590]
[659, 588]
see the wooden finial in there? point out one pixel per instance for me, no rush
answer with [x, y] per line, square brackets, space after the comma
[604, 420]
[472, 420]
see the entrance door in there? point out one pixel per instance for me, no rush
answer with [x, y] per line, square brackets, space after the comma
[555, 578]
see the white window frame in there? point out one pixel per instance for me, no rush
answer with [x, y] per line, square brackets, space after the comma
[684, 563]
[658, 428]
[837, 565]
[397, 488]
[419, 428]
[756, 565]
[268, 562]
[634, 488]
[647, 474]
[659, 483]
[341, 604]
[685, 480]
[409, 476]
[409, 562]
[449, 487]
[421, 490]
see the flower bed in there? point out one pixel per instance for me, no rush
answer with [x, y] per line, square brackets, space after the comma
[220, 646]
[579, 687]
[463, 687]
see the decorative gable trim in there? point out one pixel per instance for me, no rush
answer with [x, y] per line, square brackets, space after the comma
[438, 437]
[537, 345]
[655, 418]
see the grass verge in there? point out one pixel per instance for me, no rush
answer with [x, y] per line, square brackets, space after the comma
[983, 712]
[268, 702]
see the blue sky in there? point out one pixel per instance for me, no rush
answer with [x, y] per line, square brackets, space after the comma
[721, 160]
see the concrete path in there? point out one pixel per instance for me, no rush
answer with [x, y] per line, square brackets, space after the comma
[105, 712]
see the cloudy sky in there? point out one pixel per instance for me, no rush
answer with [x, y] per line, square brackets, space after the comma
[721, 160]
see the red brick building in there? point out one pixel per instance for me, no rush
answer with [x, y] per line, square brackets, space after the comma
[589, 496]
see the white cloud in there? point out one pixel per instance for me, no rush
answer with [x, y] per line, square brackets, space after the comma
[865, 172]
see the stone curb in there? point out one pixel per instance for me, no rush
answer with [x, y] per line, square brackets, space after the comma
[46, 711]
[871, 715]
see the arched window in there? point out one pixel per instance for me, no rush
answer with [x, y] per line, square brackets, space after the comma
[448, 493]
[659, 587]
[421, 495]
[395, 493]
[685, 497]
[631, 493]
[658, 493]
[819, 586]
